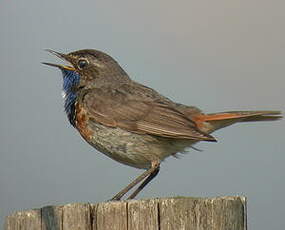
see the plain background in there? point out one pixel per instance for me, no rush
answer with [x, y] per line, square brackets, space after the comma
[218, 55]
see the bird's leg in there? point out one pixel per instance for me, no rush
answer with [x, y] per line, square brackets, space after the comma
[144, 183]
[150, 173]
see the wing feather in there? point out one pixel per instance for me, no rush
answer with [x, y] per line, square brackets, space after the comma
[137, 115]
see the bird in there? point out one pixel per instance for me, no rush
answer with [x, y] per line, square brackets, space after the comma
[132, 123]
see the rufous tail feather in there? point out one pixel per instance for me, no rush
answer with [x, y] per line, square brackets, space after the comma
[220, 120]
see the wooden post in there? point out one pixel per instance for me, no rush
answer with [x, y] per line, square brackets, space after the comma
[222, 213]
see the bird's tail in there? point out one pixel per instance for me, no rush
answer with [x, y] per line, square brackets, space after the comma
[220, 120]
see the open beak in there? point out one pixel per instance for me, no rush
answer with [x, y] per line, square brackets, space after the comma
[61, 56]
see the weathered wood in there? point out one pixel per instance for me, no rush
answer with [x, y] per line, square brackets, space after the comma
[76, 217]
[143, 214]
[51, 218]
[222, 213]
[111, 216]
[26, 220]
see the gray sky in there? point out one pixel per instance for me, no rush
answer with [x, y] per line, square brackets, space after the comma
[218, 55]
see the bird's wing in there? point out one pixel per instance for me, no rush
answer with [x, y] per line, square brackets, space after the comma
[115, 109]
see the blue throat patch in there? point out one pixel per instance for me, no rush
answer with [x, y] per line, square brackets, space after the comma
[70, 80]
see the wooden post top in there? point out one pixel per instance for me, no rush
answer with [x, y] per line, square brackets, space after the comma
[220, 213]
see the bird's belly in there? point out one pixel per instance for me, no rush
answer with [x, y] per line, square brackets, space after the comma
[136, 150]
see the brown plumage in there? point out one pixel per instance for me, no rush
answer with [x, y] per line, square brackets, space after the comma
[131, 123]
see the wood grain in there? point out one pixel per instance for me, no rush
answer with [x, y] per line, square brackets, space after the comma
[221, 213]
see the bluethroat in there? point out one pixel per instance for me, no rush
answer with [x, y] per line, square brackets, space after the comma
[131, 123]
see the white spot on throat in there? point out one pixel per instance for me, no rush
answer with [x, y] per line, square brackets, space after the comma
[63, 94]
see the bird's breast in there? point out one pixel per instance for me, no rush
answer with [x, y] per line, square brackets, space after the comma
[81, 122]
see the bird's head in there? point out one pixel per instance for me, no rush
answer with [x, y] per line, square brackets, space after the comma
[86, 66]
[86, 69]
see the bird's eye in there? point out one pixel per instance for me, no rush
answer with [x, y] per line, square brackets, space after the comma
[82, 63]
